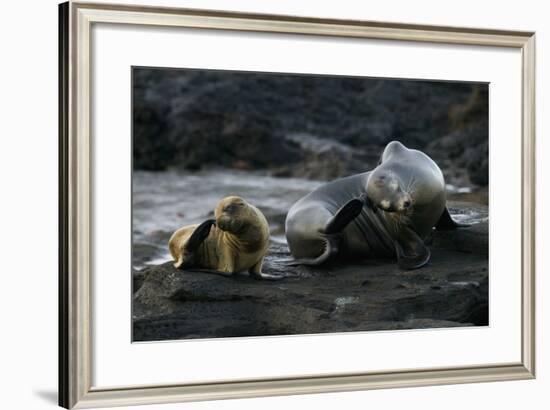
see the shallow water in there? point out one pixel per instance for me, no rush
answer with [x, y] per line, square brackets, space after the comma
[165, 201]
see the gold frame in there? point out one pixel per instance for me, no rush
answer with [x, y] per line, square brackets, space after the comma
[75, 358]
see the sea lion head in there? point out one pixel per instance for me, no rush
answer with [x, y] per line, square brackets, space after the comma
[233, 214]
[385, 191]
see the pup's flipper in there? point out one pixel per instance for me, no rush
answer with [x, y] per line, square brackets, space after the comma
[201, 232]
[266, 276]
[447, 223]
[198, 236]
[256, 272]
[214, 271]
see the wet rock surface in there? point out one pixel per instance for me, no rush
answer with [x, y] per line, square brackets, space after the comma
[452, 290]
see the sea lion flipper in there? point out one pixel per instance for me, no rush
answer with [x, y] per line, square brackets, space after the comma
[344, 216]
[411, 251]
[267, 276]
[198, 236]
[256, 272]
[447, 223]
[331, 246]
[214, 271]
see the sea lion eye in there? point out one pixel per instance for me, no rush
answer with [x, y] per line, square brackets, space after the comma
[230, 208]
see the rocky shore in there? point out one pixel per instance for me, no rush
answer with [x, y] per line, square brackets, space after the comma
[452, 290]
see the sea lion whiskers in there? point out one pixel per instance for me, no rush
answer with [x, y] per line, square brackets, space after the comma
[400, 219]
[411, 187]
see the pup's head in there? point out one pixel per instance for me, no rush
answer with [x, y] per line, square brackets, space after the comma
[233, 214]
[385, 191]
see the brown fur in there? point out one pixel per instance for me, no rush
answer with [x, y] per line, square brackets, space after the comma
[238, 242]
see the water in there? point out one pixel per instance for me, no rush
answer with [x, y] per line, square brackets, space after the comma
[165, 201]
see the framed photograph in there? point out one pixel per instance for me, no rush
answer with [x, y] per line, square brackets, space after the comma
[258, 205]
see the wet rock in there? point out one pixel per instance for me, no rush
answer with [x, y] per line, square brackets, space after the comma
[138, 277]
[452, 290]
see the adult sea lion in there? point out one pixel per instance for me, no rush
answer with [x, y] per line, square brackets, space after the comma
[235, 241]
[386, 212]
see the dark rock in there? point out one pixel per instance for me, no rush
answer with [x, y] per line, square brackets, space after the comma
[138, 277]
[195, 119]
[452, 290]
[474, 238]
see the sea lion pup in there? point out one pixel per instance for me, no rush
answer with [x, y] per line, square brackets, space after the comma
[235, 241]
[386, 212]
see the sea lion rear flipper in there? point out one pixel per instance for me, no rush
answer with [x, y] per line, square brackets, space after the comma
[411, 251]
[198, 236]
[446, 222]
[256, 272]
[332, 243]
[214, 271]
[344, 216]
[267, 276]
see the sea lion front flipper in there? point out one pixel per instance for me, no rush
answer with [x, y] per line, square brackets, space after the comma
[411, 251]
[447, 223]
[344, 216]
[201, 232]
[198, 236]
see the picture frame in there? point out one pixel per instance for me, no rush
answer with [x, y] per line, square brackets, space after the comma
[75, 206]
